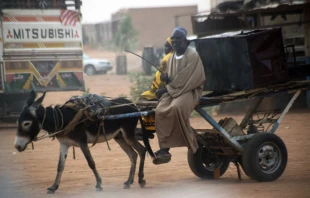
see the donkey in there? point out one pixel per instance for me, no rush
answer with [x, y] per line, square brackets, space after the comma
[35, 117]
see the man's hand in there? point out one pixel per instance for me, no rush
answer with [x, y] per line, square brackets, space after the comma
[160, 92]
[164, 78]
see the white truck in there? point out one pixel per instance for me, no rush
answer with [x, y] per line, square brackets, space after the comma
[40, 49]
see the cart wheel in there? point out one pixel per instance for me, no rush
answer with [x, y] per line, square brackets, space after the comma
[240, 162]
[264, 157]
[202, 163]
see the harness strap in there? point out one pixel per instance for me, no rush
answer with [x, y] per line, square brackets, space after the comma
[105, 136]
[101, 126]
[62, 118]
[57, 119]
[97, 136]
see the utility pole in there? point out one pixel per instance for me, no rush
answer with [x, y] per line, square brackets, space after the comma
[176, 20]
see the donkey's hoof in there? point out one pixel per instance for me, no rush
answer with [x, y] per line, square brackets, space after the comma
[126, 186]
[142, 183]
[99, 189]
[50, 191]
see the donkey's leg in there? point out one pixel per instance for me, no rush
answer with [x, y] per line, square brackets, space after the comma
[91, 164]
[133, 159]
[61, 164]
[141, 151]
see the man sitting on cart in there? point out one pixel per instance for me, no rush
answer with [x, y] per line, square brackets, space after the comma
[185, 78]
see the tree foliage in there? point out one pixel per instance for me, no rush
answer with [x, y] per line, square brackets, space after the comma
[126, 36]
[140, 84]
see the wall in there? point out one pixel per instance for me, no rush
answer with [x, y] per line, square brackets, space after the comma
[90, 32]
[214, 3]
[288, 31]
[155, 25]
[104, 33]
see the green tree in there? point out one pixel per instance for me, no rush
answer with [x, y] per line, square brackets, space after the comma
[126, 36]
[140, 83]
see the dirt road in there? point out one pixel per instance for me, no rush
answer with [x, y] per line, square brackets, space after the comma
[30, 173]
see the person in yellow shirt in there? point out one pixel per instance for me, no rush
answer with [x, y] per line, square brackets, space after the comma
[157, 83]
[149, 121]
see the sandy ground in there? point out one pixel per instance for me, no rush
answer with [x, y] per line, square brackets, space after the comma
[30, 173]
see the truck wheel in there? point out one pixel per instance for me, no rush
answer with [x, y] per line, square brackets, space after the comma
[90, 70]
[202, 163]
[264, 157]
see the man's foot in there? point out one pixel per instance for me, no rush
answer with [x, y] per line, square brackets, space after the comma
[162, 156]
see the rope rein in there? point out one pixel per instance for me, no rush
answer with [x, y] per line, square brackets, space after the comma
[57, 132]
[44, 116]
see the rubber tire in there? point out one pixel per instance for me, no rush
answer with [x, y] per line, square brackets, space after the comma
[196, 165]
[249, 157]
[92, 69]
[240, 162]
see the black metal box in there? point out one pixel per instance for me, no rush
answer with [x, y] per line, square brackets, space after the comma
[243, 60]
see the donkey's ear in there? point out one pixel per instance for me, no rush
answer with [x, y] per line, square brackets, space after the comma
[39, 101]
[31, 99]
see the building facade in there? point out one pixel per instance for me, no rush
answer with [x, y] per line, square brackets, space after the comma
[154, 25]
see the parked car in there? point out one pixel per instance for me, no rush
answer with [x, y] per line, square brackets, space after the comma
[94, 66]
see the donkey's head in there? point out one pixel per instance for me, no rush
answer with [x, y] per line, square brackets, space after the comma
[29, 124]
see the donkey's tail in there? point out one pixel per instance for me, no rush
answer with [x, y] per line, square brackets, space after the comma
[146, 139]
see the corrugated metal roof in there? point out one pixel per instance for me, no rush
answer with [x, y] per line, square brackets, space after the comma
[239, 33]
[274, 7]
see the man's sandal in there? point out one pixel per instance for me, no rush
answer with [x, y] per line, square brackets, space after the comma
[161, 158]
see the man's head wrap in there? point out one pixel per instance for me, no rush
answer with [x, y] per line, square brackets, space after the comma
[181, 30]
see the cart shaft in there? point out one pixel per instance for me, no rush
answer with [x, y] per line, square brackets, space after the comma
[126, 115]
